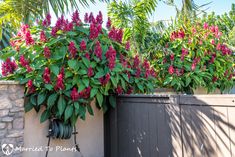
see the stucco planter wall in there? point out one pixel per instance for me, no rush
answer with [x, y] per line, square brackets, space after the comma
[25, 130]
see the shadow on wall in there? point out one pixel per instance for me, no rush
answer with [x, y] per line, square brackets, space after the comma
[179, 126]
[207, 126]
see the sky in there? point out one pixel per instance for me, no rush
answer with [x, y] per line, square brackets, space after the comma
[163, 11]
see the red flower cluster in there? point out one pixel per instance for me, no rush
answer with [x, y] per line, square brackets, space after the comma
[138, 72]
[95, 29]
[31, 88]
[86, 18]
[72, 49]
[225, 50]
[119, 90]
[116, 34]
[76, 19]
[130, 90]
[60, 80]
[25, 63]
[171, 70]
[184, 53]
[83, 94]
[194, 64]
[95, 24]
[8, 67]
[153, 72]
[98, 50]
[127, 46]
[47, 52]
[214, 79]
[99, 18]
[146, 66]
[47, 21]
[24, 33]
[46, 75]
[109, 23]
[63, 25]
[136, 61]
[91, 19]
[90, 72]
[87, 55]
[123, 60]
[215, 31]
[83, 45]
[104, 80]
[43, 37]
[213, 58]
[205, 25]
[177, 35]
[28, 38]
[74, 94]
[111, 56]
[172, 57]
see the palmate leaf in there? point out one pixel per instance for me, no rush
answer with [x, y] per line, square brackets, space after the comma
[133, 17]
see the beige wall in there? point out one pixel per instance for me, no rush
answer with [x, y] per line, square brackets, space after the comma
[90, 137]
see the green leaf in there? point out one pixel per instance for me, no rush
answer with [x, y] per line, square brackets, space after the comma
[168, 80]
[51, 100]
[93, 92]
[61, 105]
[85, 81]
[45, 115]
[71, 33]
[49, 87]
[124, 84]
[68, 74]
[25, 80]
[68, 112]
[55, 69]
[73, 119]
[99, 74]
[73, 64]
[140, 86]
[90, 110]
[81, 87]
[107, 87]
[188, 80]
[125, 77]
[86, 62]
[28, 107]
[99, 98]
[112, 101]
[82, 72]
[82, 112]
[114, 82]
[75, 79]
[41, 98]
[33, 100]
[76, 105]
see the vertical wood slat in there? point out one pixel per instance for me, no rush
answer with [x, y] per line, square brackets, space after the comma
[203, 124]
[231, 118]
[222, 131]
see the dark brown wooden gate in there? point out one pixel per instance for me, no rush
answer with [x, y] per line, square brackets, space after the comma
[166, 126]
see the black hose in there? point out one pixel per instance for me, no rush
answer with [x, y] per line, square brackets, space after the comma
[75, 139]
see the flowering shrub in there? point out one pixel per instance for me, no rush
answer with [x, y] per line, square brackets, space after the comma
[196, 56]
[68, 65]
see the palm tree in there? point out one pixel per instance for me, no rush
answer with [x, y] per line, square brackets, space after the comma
[133, 17]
